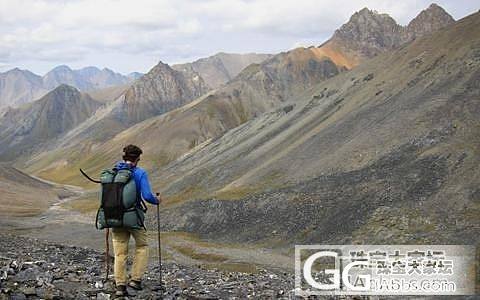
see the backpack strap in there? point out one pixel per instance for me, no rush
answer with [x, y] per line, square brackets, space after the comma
[88, 177]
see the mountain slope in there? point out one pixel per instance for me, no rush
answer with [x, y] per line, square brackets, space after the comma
[390, 146]
[34, 124]
[257, 89]
[23, 195]
[218, 69]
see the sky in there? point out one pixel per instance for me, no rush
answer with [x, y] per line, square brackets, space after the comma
[128, 36]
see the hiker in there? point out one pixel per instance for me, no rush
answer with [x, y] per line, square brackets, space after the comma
[121, 235]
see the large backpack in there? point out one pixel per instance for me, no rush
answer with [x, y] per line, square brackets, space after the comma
[119, 206]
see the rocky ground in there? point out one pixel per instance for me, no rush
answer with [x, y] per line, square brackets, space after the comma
[34, 269]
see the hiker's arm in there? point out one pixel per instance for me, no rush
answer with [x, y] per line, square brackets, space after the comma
[146, 191]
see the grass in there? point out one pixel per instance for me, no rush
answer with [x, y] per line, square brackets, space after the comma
[86, 205]
[193, 247]
[188, 237]
[201, 256]
[19, 211]
[398, 223]
[472, 213]
[191, 192]
[160, 159]
[68, 172]
[268, 182]
[238, 192]
[194, 191]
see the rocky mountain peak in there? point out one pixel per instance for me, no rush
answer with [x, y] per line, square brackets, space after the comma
[431, 19]
[64, 91]
[365, 17]
[368, 31]
[18, 71]
[160, 90]
[61, 68]
[89, 71]
[161, 67]
[14, 70]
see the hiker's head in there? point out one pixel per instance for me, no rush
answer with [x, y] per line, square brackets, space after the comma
[132, 153]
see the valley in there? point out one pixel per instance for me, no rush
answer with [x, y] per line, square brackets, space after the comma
[49, 212]
[371, 137]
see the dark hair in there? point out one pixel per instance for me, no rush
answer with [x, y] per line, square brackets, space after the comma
[131, 153]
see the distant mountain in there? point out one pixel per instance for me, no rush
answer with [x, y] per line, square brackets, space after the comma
[218, 69]
[19, 86]
[160, 90]
[164, 113]
[135, 75]
[108, 94]
[33, 125]
[22, 86]
[89, 78]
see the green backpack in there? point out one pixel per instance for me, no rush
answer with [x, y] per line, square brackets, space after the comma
[118, 201]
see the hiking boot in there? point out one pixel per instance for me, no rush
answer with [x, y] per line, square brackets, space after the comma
[121, 291]
[135, 284]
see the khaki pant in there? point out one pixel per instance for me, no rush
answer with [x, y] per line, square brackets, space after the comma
[120, 238]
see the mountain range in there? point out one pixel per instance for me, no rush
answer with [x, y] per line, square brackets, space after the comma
[22, 86]
[377, 126]
[255, 90]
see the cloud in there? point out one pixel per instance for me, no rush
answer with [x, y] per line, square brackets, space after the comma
[77, 30]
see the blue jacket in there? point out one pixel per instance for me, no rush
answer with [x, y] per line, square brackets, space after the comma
[141, 182]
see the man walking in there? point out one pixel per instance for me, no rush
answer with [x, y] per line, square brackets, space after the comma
[121, 236]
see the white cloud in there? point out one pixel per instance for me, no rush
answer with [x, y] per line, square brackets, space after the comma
[91, 31]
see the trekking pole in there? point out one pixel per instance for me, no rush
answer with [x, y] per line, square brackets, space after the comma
[107, 255]
[159, 244]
